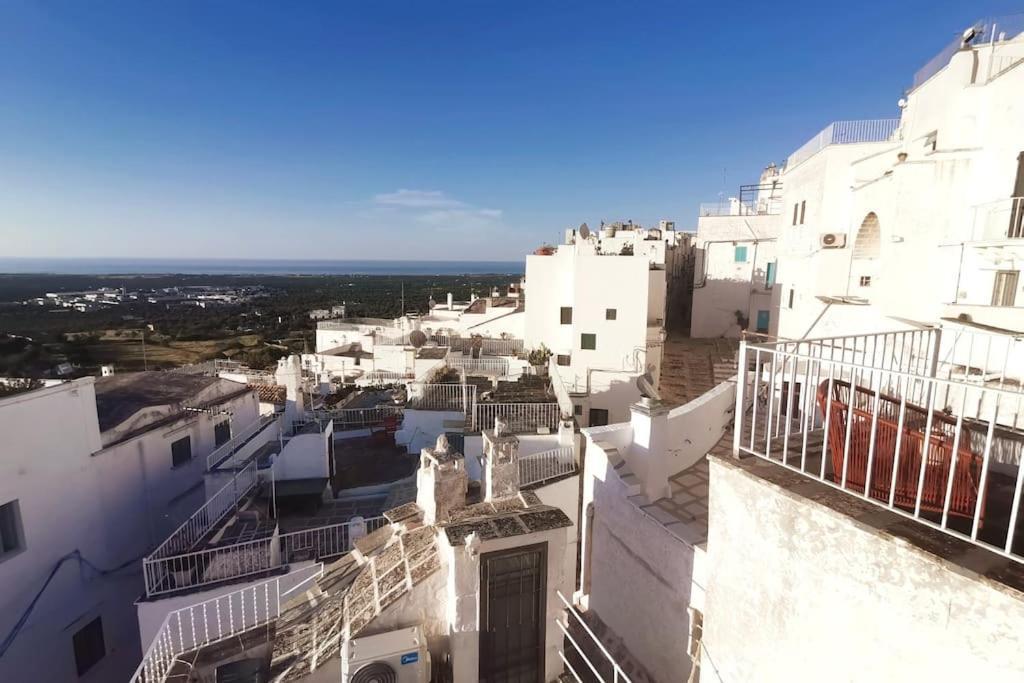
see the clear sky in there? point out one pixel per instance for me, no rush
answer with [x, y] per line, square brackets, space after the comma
[404, 130]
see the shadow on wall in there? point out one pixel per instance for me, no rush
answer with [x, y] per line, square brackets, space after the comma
[627, 548]
[613, 393]
[724, 308]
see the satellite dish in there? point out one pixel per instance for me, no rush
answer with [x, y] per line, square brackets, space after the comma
[584, 231]
[417, 339]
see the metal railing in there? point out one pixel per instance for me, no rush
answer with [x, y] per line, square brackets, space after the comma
[386, 339]
[999, 220]
[460, 397]
[990, 31]
[486, 366]
[326, 542]
[157, 567]
[540, 467]
[227, 449]
[844, 133]
[359, 418]
[605, 668]
[217, 619]
[521, 417]
[488, 346]
[874, 416]
[734, 207]
[209, 566]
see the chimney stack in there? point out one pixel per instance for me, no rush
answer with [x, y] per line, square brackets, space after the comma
[500, 462]
[441, 481]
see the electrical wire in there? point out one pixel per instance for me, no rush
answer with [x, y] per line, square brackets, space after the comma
[76, 554]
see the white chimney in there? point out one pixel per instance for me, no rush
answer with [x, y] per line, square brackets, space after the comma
[500, 462]
[441, 481]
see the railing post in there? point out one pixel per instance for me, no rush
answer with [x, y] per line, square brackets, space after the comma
[741, 381]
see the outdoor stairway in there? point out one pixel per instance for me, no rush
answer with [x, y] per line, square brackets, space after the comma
[611, 642]
[310, 626]
[691, 367]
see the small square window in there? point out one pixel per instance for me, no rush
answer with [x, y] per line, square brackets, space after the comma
[588, 342]
[865, 280]
[221, 433]
[566, 315]
[563, 359]
[577, 409]
[611, 314]
[89, 645]
[12, 537]
[740, 255]
[181, 451]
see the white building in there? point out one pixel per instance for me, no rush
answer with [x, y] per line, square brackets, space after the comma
[857, 488]
[736, 262]
[600, 308]
[916, 218]
[95, 473]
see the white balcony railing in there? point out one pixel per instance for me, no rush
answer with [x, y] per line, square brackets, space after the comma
[359, 418]
[895, 419]
[999, 220]
[326, 542]
[537, 468]
[223, 453]
[521, 417]
[217, 619]
[478, 366]
[487, 346]
[157, 567]
[193, 570]
[451, 396]
[843, 133]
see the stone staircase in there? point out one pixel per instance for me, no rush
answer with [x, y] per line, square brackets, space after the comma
[691, 367]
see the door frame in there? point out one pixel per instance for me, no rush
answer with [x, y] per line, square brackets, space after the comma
[542, 608]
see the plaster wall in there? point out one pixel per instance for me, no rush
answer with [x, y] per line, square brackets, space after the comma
[463, 607]
[52, 474]
[725, 281]
[794, 587]
[637, 576]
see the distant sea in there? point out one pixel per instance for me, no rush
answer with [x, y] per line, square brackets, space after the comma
[116, 266]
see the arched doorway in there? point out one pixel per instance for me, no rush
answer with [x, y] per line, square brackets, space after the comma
[867, 248]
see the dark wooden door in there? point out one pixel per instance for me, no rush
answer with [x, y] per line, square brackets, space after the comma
[512, 608]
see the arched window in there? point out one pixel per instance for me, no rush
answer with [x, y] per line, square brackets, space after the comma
[869, 238]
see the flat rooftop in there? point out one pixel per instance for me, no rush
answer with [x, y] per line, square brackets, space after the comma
[120, 396]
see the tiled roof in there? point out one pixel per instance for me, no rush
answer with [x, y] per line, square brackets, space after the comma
[270, 393]
[515, 516]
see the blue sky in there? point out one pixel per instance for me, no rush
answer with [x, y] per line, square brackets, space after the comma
[405, 130]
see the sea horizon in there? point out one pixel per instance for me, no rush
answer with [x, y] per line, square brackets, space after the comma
[200, 266]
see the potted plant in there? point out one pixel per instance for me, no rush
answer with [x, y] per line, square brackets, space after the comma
[538, 358]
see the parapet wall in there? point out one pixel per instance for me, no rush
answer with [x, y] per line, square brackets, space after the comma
[808, 583]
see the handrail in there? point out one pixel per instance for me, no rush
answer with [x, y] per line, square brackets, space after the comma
[211, 512]
[617, 673]
[214, 620]
[537, 468]
[228, 448]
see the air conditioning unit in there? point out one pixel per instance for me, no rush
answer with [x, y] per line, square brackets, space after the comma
[833, 240]
[393, 657]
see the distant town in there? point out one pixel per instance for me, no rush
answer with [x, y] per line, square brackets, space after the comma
[202, 296]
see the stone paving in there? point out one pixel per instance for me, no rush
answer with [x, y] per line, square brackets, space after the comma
[690, 367]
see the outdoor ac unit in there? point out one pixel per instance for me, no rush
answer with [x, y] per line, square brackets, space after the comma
[393, 657]
[833, 240]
